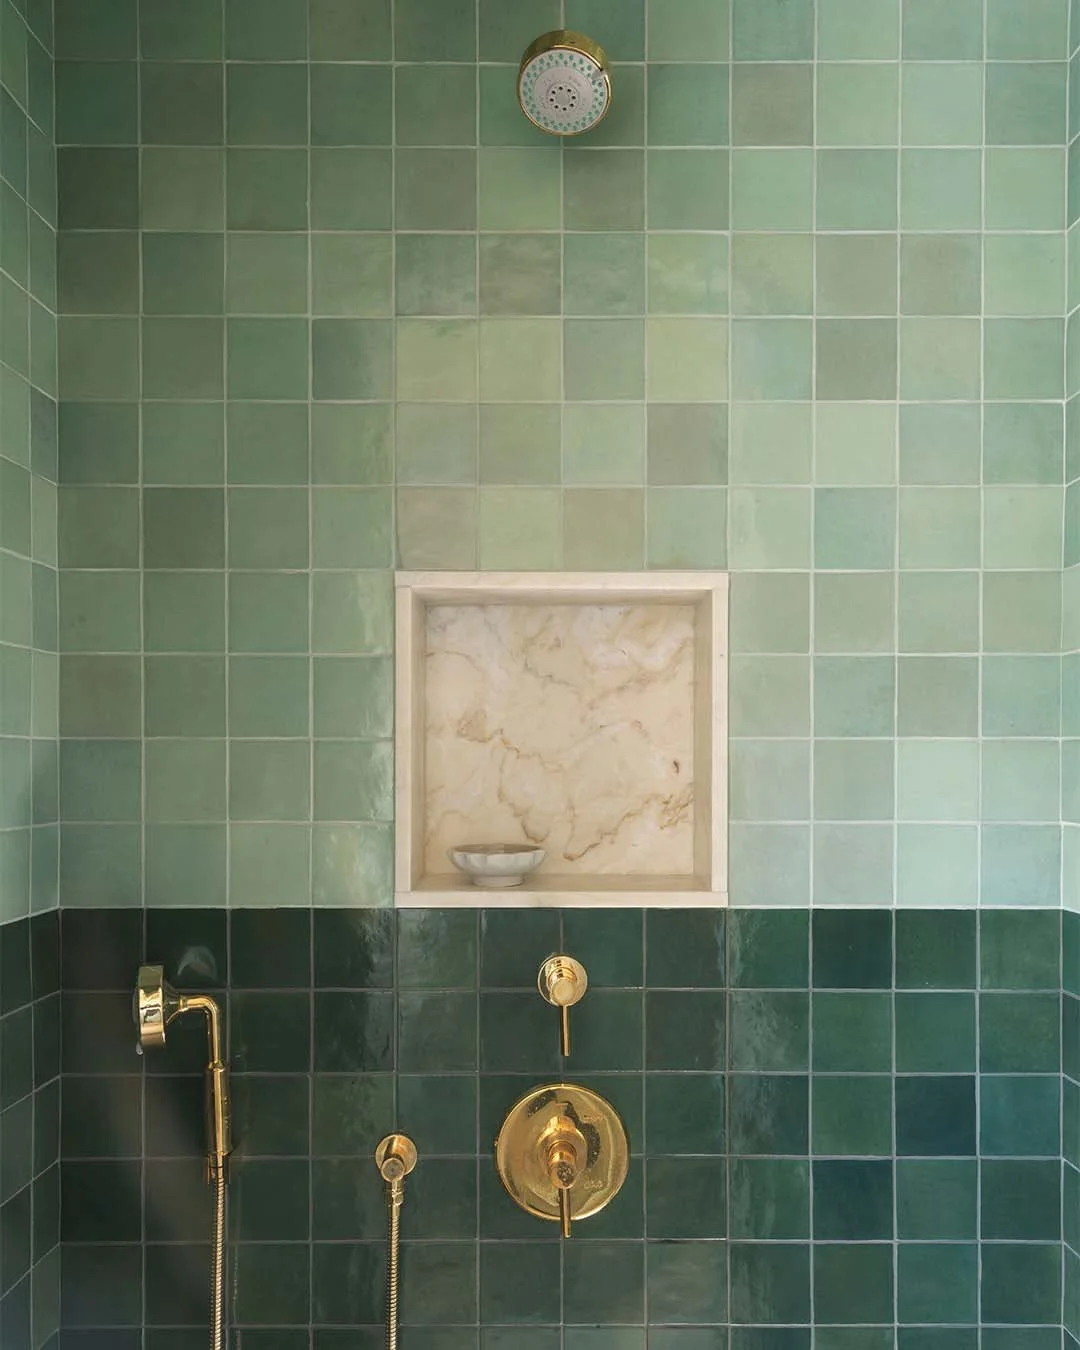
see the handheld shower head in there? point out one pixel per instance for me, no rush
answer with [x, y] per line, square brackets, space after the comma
[153, 1006]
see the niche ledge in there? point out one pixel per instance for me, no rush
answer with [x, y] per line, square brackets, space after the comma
[582, 711]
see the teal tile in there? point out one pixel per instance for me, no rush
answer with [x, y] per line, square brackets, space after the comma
[853, 695]
[856, 189]
[772, 104]
[1025, 188]
[1025, 103]
[452, 37]
[688, 30]
[853, 1114]
[435, 105]
[935, 1033]
[941, 189]
[933, 34]
[688, 104]
[852, 1033]
[770, 189]
[1020, 864]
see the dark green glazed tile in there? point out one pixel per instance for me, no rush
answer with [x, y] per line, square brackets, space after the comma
[347, 1113]
[625, 1216]
[354, 1032]
[852, 1033]
[768, 949]
[769, 1031]
[853, 1283]
[104, 1206]
[446, 1271]
[100, 948]
[935, 949]
[270, 1033]
[684, 948]
[44, 1199]
[271, 1283]
[604, 1338]
[684, 1113]
[16, 984]
[1070, 1122]
[175, 1116]
[1020, 949]
[101, 1117]
[770, 1282]
[769, 1113]
[422, 1338]
[513, 946]
[769, 1198]
[46, 1037]
[853, 1200]
[191, 944]
[936, 1198]
[501, 1218]
[436, 1031]
[520, 1338]
[685, 1282]
[746, 1338]
[271, 948]
[177, 1203]
[519, 1283]
[686, 1198]
[853, 1115]
[45, 953]
[438, 1111]
[96, 1033]
[935, 1033]
[605, 1031]
[348, 1201]
[436, 949]
[1019, 1033]
[1019, 1116]
[519, 1033]
[938, 1282]
[685, 1030]
[1070, 1206]
[269, 1201]
[173, 1291]
[935, 1117]
[852, 949]
[102, 1285]
[603, 1282]
[1070, 1036]
[347, 1281]
[16, 1056]
[711, 1338]
[1021, 1283]
[610, 945]
[1021, 1338]
[1021, 1200]
[1070, 952]
[937, 1338]
[270, 1115]
[354, 949]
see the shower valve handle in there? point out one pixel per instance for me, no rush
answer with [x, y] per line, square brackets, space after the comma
[562, 982]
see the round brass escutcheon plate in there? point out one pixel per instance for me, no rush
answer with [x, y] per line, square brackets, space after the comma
[522, 1150]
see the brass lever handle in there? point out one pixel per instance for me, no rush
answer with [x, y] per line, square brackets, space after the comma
[564, 1152]
[562, 981]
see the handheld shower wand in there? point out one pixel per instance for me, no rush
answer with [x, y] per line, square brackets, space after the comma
[154, 1006]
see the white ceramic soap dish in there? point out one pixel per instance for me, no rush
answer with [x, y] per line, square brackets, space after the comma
[496, 866]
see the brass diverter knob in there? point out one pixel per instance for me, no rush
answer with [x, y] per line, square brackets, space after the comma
[563, 981]
[562, 1153]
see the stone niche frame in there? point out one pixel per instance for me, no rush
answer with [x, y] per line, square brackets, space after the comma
[707, 593]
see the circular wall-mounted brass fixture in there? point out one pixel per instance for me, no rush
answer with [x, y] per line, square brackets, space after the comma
[564, 83]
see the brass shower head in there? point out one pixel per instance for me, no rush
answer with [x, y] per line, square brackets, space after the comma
[154, 1006]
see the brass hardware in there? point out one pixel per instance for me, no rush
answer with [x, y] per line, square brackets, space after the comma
[561, 39]
[562, 1153]
[395, 1157]
[563, 981]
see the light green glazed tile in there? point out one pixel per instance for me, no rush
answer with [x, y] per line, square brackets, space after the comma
[604, 528]
[504, 34]
[940, 358]
[687, 274]
[771, 359]
[353, 866]
[353, 696]
[184, 611]
[688, 30]
[853, 780]
[769, 527]
[604, 274]
[185, 695]
[183, 443]
[353, 780]
[855, 274]
[1021, 780]
[1021, 864]
[520, 188]
[1036, 31]
[772, 30]
[520, 443]
[1025, 188]
[940, 274]
[1025, 102]
[937, 865]
[1022, 358]
[770, 612]
[770, 695]
[435, 105]
[435, 189]
[1025, 274]
[351, 443]
[182, 188]
[99, 780]
[939, 443]
[268, 612]
[433, 274]
[855, 444]
[519, 528]
[266, 104]
[435, 443]
[854, 612]
[604, 189]
[269, 865]
[934, 33]
[521, 274]
[1025, 696]
[687, 189]
[1021, 611]
[687, 443]
[269, 696]
[436, 359]
[603, 444]
[772, 104]
[686, 527]
[352, 612]
[854, 695]
[342, 31]
[771, 189]
[854, 528]
[269, 780]
[436, 527]
[772, 274]
[939, 612]
[604, 359]
[504, 377]
[853, 865]
[858, 30]
[856, 189]
[351, 189]
[351, 527]
[100, 612]
[501, 121]
[770, 443]
[857, 104]
[688, 360]
[937, 696]
[941, 189]
[267, 358]
[770, 864]
[938, 780]
[939, 527]
[353, 358]
[856, 359]
[1022, 527]
[268, 527]
[623, 22]
[351, 274]
[267, 442]
[185, 865]
[770, 780]
[185, 780]
[1022, 443]
[942, 103]
[101, 865]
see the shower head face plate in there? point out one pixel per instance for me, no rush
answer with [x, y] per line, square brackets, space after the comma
[564, 85]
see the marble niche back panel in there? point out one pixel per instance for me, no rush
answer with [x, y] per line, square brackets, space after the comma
[566, 726]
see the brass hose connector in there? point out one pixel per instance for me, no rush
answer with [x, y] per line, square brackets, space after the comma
[395, 1157]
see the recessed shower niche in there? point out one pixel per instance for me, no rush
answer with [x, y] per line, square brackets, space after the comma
[583, 713]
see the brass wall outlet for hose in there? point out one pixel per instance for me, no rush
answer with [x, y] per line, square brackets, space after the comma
[562, 1153]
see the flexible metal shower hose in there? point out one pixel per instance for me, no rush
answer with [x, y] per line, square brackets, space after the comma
[394, 1213]
[217, 1265]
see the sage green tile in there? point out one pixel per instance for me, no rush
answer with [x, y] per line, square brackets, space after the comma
[98, 358]
[853, 780]
[854, 612]
[939, 527]
[1021, 780]
[1022, 442]
[604, 359]
[937, 696]
[352, 612]
[98, 442]
[436, 527]
[772, 30]
[269, 780]
[185, 695]
[854, 528]
[182, 189]
[687, 190]
[769, 527]
[268, 527]
[449, 35]
[688, 361]
[1021, 358]
[184, 611]
[1038, 31]
[851, 30]
[854, 695]
[266, 104]
[770, 190]
[353, 866]
[267, 189]
[434, 274]
[100, 865]
[604, 189]
[772, 274]
[688, 103]
[268, 612]
[520, 188]
[504, 34]
[939, 612]
[940, 358]
[96, 101]
[435, 189]
[856, 189]
[1025, 274]
[351, 359]
[353, 780]
[353, 696]
[1022, 527]
[937, 865]
[98, 270]
[941, 189]
[687, 274]
[97, 31]
[436, 443]
[1025, 102]
[100, 612]
[686, 527]
[770, 864]
[267, 273]
[268, 358]
[181, 103]
[857, 104]
[501, 119]
[268, 442]
[771, 359]
[195, 35]
[351, 189]
[520, 274]
[519, 527]
[687, 443]
[770, 780]
[351, 527]
[1020, 611]
[855, 274]
[274, 31]
[435, 105]
[939, 443]
[940, 274]
[772, 104]
[770, 443]
[603, 528]
[603, 443]
[519, 443]
[856, 359]
[942, 103]
[937, 780]
[853, 865]
[99, 527]
[182, 358]
[688, 30]
[185, 865]
[100, 696]
[269, 865]
[855, 444]
[185, 780]
[269, 696]
[931, 33]
[1021, 864]
[1021, 696]
[604, 274]
[436, 359]
[1025, 189]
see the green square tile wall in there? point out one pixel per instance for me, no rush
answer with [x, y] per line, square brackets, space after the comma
[798, 308]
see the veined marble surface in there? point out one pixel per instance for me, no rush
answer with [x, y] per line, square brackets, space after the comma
[569, 726]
